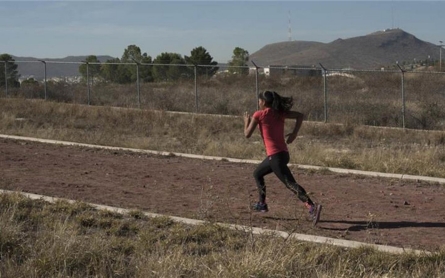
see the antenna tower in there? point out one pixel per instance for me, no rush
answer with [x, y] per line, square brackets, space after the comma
[289, 29]
[392, 17]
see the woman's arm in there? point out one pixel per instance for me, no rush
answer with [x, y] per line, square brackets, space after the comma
[249, 125]
[298, 122]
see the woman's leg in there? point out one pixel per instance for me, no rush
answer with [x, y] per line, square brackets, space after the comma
[278, 164]
[261, 170]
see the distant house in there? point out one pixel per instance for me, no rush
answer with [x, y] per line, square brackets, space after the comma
[281, 70]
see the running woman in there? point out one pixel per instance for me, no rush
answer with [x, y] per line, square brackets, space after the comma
[274, 109]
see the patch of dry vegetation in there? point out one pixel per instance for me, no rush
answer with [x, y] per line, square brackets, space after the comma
[61, 240]
[352, 97]
[40, 239]
[390, 150]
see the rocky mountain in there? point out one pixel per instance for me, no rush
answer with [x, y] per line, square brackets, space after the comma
[373, 51]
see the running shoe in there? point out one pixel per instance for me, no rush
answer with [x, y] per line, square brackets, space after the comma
[260, 207]
[314, 212]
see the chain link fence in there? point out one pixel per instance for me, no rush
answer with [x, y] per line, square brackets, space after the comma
[393, 98]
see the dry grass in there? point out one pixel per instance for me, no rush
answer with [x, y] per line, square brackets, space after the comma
[40, 239]
[359, 98]
[61, 240]
[390, 150]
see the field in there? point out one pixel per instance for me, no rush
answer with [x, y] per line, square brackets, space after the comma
[374, 210]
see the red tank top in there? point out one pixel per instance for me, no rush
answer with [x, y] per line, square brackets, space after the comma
[271, 125]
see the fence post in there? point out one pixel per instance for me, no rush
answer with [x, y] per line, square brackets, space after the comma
[138, 87]
[44, 76]
[256, 85]
[6, 78]
[440, 55]
[195, 67]
[403, 94]
[325, 93]
[138, 84]
[88, 81]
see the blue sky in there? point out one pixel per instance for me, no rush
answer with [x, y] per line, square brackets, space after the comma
[56, 29]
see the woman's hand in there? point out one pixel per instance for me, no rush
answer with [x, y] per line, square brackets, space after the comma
[290, 138]
[246, 119]
[249, 125]
[298, 122]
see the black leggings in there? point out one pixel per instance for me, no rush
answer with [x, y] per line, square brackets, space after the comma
[277, 164]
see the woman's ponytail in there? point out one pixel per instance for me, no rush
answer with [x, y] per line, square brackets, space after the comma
[276, 102]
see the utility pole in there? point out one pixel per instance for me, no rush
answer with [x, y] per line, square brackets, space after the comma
[440, 55]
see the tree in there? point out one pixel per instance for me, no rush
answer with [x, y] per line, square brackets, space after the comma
[145, 71]
[124, 70]
[110, 70]
[200, 56]
[163, 72]
[12, 75]
[238, 64]
[133, 54]
[30, 82]
[93, 68]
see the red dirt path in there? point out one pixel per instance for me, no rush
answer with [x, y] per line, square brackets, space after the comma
[399, 213]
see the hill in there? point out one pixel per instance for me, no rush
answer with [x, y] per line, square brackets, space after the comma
[60, 67]
[373, 51]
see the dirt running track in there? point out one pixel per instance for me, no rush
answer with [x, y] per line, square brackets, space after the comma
[399, 213]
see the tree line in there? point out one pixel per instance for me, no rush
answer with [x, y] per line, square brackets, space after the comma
[135, 64]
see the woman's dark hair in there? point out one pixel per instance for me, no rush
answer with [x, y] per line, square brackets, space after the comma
[276, 102]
